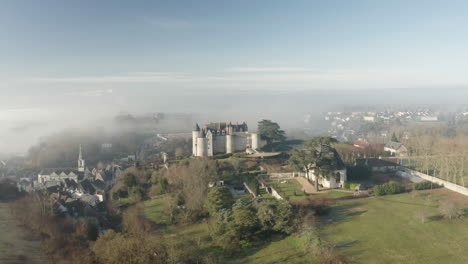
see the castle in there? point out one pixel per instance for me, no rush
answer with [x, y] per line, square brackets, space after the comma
[223, 137]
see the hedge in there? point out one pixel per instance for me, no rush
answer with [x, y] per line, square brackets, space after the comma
[350, 185]
[425, 185]
[388, 188]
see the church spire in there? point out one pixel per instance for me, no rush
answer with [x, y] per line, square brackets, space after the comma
[81, 162]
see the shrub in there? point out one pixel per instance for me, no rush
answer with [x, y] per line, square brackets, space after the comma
[350, 185]
[425, 185]
[162, 185]
[222, 156]
[388, 189]
[137, 194]
[130, 180]
[8, 191]
[353, 196]
[320, 205]
[276, 216]
[121, 193]
[450, 210]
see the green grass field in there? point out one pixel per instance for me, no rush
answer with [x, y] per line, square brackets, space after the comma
[389, 230]
[154, 209]
[385, 229]
[288, 187]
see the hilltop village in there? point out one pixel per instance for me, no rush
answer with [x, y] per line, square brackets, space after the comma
[200, 196]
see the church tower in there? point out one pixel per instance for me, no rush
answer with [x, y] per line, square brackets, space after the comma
[81, 161]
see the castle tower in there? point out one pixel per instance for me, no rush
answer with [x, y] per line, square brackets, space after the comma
[201, 144]
[81, 161]
[195, 132]
[229, 144]
[255, 140]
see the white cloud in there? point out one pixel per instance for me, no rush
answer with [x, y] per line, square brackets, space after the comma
[134, 77]
[277, 78]
[92, 93]
[269, 69]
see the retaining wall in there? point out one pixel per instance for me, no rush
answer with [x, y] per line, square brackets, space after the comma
[249, 190]
[286, 174]
[449, 185]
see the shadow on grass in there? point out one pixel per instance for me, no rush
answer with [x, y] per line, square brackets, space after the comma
[342, 213]
[415, 204]
[435, 218]
[345, 244]
[260, 245]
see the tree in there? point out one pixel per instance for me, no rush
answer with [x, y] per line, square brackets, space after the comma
[162, 185]
[276, 216]
[219, 198]
[191, 179]
[270, 131]
[318, 157]
[449, 209]
[130, 180]
[245, 219]
[112, 247]
[224, 232]
[394, 137]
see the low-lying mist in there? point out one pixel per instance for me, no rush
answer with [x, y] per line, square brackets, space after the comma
[25, 120]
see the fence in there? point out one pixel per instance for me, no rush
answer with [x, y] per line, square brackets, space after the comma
[451, 186]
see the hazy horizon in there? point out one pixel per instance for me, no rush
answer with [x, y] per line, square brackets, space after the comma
[70, 63]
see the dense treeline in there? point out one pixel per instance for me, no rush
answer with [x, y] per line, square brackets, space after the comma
[439, 150]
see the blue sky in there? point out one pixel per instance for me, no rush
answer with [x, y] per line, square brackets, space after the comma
[62, 60]
[96, 48]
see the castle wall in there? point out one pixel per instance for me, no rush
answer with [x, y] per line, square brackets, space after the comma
[219, 144]
[239, 143]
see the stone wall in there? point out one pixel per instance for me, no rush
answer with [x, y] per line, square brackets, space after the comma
[276, 194]
[446, 184]
[249, 190]
[219, 144]
[286, 174]
[239, 143]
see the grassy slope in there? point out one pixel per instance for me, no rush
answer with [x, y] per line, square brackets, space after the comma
[280, 250]
[14, 247]
[387, 230]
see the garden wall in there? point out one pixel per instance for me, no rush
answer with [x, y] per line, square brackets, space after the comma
[451, 186]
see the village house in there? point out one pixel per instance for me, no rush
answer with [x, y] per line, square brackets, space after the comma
[77, 186]
[337, 177]
[396, 149]
[379, 165]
